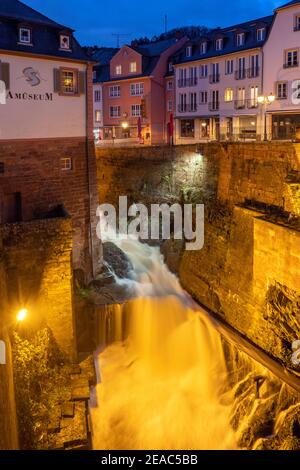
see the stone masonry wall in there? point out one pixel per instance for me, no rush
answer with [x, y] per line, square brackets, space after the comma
[33, 169]
[38, 264]
[8, 421]
[248, 269]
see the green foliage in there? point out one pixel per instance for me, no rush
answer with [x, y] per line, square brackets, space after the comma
[39, 382]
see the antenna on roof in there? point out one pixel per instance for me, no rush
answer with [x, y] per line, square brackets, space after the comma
[119, 36]
[166, 23]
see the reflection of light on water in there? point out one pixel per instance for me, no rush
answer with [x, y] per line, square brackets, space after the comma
[161, 388]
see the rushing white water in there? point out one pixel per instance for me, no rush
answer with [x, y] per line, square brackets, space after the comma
[162, 387]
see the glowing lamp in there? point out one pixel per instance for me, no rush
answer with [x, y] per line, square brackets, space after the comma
[261, 99]
[125, 125]
[271, 98]
[22, 314]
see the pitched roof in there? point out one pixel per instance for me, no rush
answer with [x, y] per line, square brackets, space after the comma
[14, 9]
[154, 49]
[45, 32]
[103, 56]
[293, 2]
[229, 40]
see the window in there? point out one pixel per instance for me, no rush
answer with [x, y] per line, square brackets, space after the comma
[119, 70]
[254, 66]
[64, 41]
[229, 67]
[203, 71]
[291, 59]
[297, 23]
[282, 89]
[115, 91]
[182, 103]
[219, 44]
[69, 82]
[215, 75]
[241, 71]
[115, 111]
[170, 67]
[203, 97]
[136, 89]
[253, 97]
[170, 85]
[94, 75]
[133, 67]
[98, 116]
[193, 102]
[1, 168]
[66, 164]
[203, 48]
[240, 39]
[228, 96]
[97, 96]
[241, 98]
[188, 51]
[25, 35]
[187, 128]
[170, 106]
[261, 34]
[136, 110]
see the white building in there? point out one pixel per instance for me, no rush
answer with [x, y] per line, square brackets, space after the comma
[218, 81]
[282, 73]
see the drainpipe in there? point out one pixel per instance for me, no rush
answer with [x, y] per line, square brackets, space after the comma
[262, 91]
[91, 242]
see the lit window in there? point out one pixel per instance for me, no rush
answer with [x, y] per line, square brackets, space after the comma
[219, 44]
[137, 89]
[97, 95]
[65, 42]
[69, 82]
[188, 51]
[119, 70]
[228, 95]
[171, 67]
[261, 32]
[66, 164]
[240, 39]
[203, 48]
[132, 67]
[25, 35]
[115, 111]
[98, 116]
[282, 88]
[136, 110]
[115, 91]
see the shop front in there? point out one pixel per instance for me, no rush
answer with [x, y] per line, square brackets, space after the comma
[286, 126]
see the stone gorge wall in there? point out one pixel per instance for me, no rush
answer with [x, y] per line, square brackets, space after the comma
[37, 259]
[249, 269]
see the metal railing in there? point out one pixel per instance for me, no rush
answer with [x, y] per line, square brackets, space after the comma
[214, 106]
[187, 82]
[214, 78]
[242, 104]
[253, 72]
[240, 74]
[290, 65]
[187, 108]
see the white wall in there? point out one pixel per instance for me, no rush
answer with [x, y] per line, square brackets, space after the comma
[282, 37]
[64, 116]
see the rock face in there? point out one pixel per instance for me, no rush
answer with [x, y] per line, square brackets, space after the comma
[116, 260]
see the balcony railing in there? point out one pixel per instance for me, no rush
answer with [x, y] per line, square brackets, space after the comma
[243, 104]
[214, 106]
[187, 82]
[187, 108]
[214, 78]
[252, 103]
[240, 74]
[290, 65]
[253, 72]
[240, 104]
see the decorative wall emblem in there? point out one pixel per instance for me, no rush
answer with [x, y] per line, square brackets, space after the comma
[32, 76]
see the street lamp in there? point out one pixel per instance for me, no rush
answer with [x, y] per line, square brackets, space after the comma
[265, 101]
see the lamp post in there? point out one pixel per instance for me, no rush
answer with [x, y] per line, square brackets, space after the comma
[266, 100]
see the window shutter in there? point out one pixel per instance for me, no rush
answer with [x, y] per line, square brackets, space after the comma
[5, 74]
[81, 83]
[56, 81]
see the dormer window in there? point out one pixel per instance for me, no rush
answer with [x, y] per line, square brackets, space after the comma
[118, 69]
[219, 44]
[188, 51]
[25, 35]
[171, 67]
[261, 34]
[65, 41]
[240, 39]
[203, 48]
[297, 23]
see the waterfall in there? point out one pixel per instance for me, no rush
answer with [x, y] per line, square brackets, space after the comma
[168, 380]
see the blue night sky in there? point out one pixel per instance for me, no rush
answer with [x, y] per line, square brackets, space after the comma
[95, 21]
